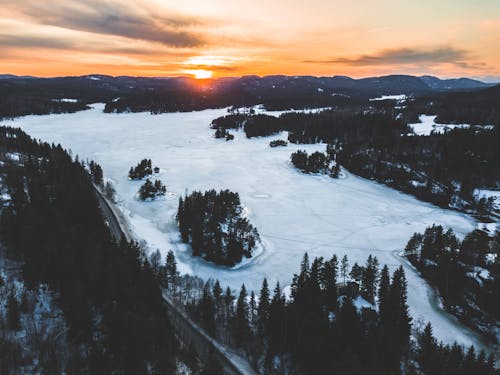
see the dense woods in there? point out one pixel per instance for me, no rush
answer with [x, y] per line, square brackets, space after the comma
[466, 273]
[337, 319]
[215, 226]
[441, 168]
[341, 125]
[444, 169]
[106, 291]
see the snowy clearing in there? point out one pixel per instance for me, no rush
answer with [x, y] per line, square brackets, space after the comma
[428, 125]
[399, 98]
[292, 211]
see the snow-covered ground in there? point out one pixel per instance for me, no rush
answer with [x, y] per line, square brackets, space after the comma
[484, 193]
[293, 212]
[428, 125]
[399, 98]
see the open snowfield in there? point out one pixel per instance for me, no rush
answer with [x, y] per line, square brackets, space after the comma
[293, 212]
[428, 125]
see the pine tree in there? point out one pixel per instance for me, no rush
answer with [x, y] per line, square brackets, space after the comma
[398, 304]
[171, 273]
[263, 308]
[344, 266]
[252, 312]
[426, 354]
[356, 272]
[329, 282]
[383, 291]
[207, 310]
[276, 323]
[241, 325]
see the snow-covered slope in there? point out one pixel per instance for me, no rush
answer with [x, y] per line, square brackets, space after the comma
[293, 212]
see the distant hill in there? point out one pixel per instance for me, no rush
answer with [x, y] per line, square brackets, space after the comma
[31, 95]
[454, 84]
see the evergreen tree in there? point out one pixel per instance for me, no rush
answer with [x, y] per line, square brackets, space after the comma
[383, 290]
[263, 309]
[356, 272]
[171, 273]
[276, 323]
[427, 348]
[344, 266]
[241, 324]
[329, 282]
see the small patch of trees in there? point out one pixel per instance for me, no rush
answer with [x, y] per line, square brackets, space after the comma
[151, 190]
[214, 224]
[317, 162]
[278, 142]
[221, 132]
[141, 170]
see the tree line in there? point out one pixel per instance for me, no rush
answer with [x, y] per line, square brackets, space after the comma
[337, 319]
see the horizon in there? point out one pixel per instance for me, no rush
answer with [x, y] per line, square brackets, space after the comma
[490, 80]
[208, 39]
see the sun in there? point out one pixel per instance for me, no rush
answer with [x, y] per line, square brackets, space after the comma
[201, 73]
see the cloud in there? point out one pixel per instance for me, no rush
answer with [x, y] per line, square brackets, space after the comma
[112, 17]
[24, 41]
[403, 56]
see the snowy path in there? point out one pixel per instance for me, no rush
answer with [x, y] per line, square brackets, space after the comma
[293, 212]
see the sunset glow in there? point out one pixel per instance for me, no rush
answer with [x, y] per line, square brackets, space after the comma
[448, 38]
[200, 73]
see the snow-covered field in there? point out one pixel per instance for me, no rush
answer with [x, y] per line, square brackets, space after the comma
[428, 125]
[293, 212]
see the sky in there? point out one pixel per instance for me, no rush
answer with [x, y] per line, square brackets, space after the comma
[215, 38]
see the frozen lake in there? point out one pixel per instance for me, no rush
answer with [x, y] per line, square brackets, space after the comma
[293, 212]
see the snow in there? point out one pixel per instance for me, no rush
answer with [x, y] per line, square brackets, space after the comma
[361, 303]
[259, 109]
[293, 212]
[428, 125]
[398, 98]
[14, 156]
[66, 100]
[484, 193]
[488, 227]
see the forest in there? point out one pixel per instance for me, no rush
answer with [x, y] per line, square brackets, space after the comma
[216, 227]
[337, 319]
[466, 273]
[444, 169]
[441, 168]
[109, 298]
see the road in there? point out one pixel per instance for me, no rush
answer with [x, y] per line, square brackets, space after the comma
[187, 330]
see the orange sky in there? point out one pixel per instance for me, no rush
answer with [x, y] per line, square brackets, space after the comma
[447, 38]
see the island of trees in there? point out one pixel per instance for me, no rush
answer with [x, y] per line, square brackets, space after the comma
[215, 226]
[142, 169]
[151, 190]
[278, 143]
[317, 162]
